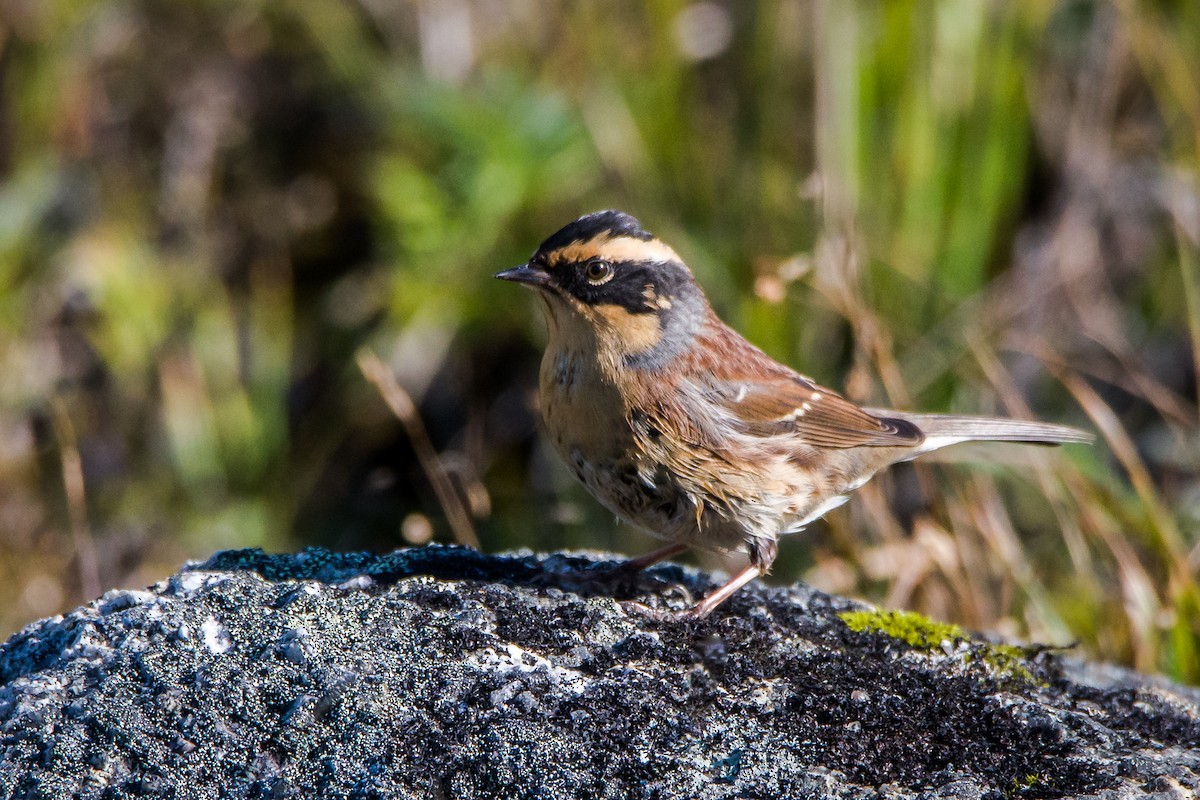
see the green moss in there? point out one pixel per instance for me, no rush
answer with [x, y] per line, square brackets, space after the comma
[1005, 661]
[917, 631]
[1021, 785]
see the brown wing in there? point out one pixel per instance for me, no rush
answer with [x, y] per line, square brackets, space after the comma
[818, 416]
[768, 399]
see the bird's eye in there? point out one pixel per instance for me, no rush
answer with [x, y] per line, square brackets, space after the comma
[598, 271]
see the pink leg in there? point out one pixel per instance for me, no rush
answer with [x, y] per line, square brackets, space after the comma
[705, 606]
[762, 555]
[638, 564]
[631, 566]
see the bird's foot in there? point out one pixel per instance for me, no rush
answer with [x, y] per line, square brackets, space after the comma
[634, 608]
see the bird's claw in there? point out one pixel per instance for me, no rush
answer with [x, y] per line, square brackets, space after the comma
[658, 614]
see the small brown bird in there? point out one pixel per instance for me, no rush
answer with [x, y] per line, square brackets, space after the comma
[683, 428]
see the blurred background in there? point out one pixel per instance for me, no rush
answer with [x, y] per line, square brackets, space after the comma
[227, 225]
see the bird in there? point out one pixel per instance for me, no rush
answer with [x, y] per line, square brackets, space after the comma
[683, 428]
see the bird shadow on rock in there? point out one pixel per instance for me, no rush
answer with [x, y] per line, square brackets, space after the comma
[592, 575]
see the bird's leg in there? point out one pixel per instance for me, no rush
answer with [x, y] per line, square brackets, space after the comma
[636, 565]
[762, 555]
[633, 566]
[705, 606]
[597, 575]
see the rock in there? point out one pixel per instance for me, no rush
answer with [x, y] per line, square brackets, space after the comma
[443, 673]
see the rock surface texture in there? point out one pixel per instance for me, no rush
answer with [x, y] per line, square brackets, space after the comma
[442, 673]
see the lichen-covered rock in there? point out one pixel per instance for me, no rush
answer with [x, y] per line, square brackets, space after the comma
[442, 673]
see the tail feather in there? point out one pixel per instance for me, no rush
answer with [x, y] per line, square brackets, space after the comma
[943, 430]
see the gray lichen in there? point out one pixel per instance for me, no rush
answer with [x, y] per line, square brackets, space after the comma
[441, 672]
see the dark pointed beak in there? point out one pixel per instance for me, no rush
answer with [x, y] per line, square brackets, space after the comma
[526, 273]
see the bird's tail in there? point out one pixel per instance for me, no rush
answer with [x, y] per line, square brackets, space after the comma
[943, 430]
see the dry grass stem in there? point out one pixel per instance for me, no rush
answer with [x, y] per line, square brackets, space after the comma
[76, 498]
[402, 406]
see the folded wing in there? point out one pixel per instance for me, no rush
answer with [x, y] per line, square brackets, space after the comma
[792, 405]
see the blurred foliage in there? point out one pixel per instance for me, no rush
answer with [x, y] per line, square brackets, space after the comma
[208, 208]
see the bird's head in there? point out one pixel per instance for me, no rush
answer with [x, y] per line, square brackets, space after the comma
[605, 277]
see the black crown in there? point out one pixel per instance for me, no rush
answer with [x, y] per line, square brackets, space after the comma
[614, 223]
